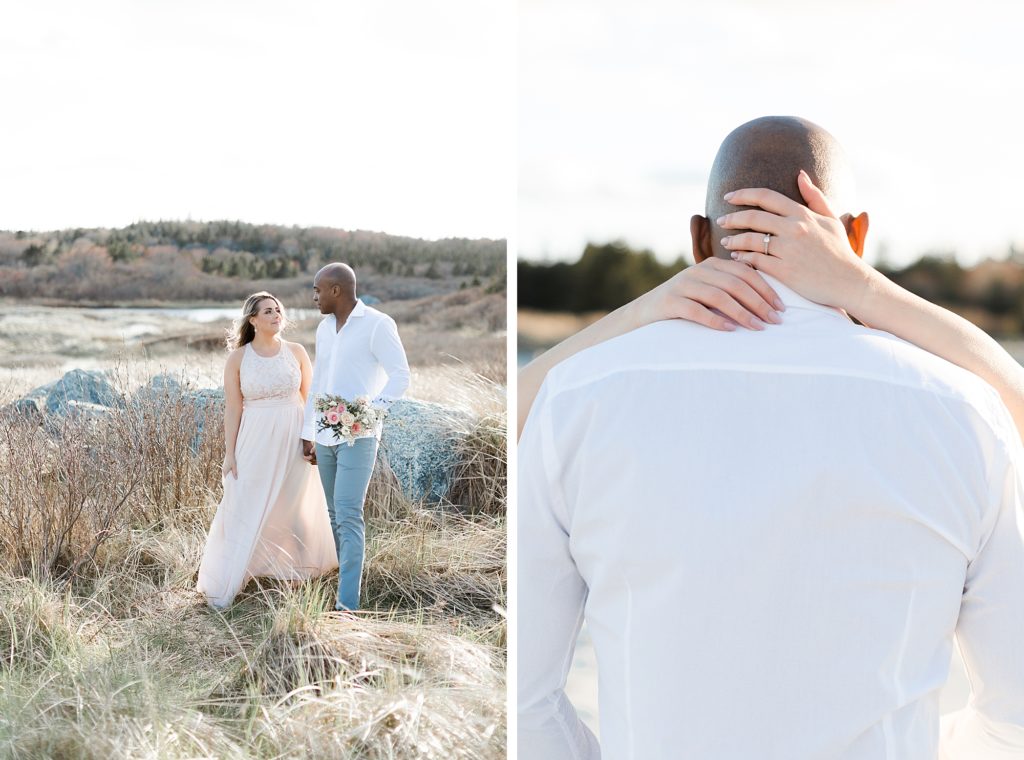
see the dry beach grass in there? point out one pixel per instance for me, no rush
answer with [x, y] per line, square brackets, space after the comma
[107, 651]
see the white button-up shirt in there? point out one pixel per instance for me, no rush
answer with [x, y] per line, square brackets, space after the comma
[364, 358]
[773, 538]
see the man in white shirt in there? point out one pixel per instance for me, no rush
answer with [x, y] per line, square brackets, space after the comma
[772, 536]
[358, 353]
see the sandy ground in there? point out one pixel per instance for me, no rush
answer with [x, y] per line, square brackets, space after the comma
[582, 684]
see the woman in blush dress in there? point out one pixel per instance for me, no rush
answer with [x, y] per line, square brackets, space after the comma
[272, 521]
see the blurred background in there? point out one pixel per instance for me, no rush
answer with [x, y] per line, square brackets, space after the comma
[623, 106]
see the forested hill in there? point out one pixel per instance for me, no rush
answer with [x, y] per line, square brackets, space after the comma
[173, 260]
[990, 293]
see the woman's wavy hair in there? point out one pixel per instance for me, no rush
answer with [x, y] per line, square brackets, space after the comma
[243, 332]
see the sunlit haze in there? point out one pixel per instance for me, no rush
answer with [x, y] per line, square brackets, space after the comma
[623, 105]
[379, 116]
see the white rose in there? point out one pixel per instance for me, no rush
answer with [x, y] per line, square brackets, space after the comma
[347, 419]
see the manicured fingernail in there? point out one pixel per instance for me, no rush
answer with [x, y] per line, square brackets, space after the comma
[774, 318]
[779, 305]
[720, 221]
[756, 323]
[729, 195]
[730, 326]
[724, 241]
[733, 254]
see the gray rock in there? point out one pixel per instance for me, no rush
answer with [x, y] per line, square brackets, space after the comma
[205, 396]
[39, 394]
[159, 389]
[31, 408]
[419, 443]
[77, 387]
[165, 383]
[85, 410]
[167, 388]
[82, 394]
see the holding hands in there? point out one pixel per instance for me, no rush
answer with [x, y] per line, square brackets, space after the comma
[309, 451]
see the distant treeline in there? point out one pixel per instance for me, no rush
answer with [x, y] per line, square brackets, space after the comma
[605, 277]
[173, 260]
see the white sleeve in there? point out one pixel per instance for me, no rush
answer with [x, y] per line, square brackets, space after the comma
[990, 634]
[551, 595]
[388, 348]
[309, 418]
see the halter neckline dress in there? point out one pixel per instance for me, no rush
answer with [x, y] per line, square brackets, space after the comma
[272, 521]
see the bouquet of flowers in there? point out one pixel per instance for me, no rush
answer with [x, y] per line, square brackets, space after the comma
[348, 419]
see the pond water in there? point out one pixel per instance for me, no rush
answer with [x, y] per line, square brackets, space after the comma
[202, 315]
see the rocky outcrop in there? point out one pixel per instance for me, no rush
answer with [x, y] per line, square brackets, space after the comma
[77, 388]
[419, 444]
[419, 440]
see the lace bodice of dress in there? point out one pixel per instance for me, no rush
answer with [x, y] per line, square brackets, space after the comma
[262, 377]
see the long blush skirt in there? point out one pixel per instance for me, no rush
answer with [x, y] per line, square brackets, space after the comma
[272, 521]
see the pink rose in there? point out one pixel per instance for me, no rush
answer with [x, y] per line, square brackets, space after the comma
[357, 428]
[340, 408]
[333, 417]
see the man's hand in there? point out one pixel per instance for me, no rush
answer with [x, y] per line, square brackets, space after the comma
[309, 451]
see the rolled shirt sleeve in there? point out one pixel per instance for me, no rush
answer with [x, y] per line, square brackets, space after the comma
[551, 596]
[387, 348]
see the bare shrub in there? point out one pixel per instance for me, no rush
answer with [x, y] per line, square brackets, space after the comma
[70, 484]
[64, 492]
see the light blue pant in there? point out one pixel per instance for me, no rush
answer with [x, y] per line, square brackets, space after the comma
[345, 474]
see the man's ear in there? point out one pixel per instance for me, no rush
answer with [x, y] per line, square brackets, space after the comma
[700, 237]
[856, 231]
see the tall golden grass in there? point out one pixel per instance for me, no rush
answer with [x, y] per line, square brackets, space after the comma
[107, 651]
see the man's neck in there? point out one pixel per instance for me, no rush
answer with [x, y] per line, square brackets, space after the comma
[342, 312]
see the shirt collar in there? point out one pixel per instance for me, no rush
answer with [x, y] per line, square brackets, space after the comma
[359, 310]
[794, 300]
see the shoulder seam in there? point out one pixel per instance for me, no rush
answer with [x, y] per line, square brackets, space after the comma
[766, 369]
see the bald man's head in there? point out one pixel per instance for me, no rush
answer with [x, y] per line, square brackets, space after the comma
[770, 152]
[334, 285]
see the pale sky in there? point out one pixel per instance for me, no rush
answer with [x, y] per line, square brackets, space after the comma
[622, 107]
[395, 116]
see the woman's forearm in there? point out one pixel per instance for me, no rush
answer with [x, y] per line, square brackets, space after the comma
[887, 306]
[232, 421]
[716, 293]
